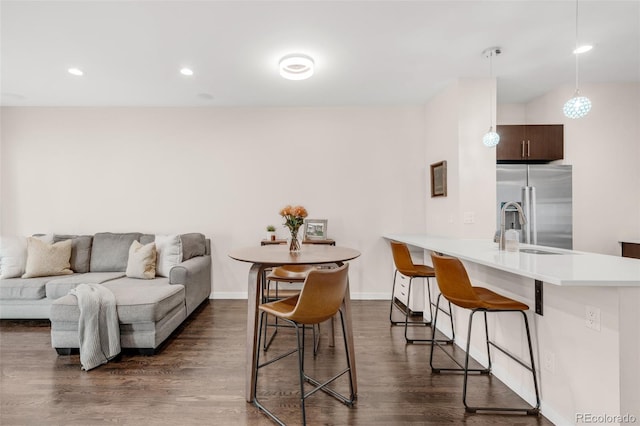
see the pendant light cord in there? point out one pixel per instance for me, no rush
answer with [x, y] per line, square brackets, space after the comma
[576, 48]
[578, 106]
[490, 91]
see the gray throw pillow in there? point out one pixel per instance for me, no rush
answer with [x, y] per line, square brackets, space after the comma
[80, 251]
[110, 251]
[147, 238]
[193, 245]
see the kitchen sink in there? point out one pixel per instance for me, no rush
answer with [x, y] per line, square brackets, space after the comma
[537, 251]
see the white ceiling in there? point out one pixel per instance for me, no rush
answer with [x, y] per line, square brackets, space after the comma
[366, 52]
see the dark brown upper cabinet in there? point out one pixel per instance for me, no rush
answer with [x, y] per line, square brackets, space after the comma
[530, 142]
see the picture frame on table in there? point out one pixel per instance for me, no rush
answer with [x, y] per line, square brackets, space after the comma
[439, 179]
[315, 229]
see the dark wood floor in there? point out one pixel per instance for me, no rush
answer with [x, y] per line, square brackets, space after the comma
[198, 378]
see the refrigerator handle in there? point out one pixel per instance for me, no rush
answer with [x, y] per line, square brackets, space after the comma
[526, 207]
[533, 217]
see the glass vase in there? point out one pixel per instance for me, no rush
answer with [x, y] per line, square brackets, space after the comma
[294, 242]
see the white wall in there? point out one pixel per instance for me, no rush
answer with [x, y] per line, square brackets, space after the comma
[476, 161]
[441, 140]
[604, 149]
[456, 119]
[512, 114]
[223, 172]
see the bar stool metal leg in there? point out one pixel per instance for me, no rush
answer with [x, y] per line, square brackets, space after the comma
[300, 336]
[437, 370]
[257, 370]
[406, 310]
[466, 370]
[301, 370]
[393, 292]
[323, 386]
[449, 314]
[431, 323]
[532, 368]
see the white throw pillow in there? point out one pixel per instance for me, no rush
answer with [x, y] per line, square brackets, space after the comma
[45, 260]
[13, 256]
[169, 248]
[142, 261]
[45, 238]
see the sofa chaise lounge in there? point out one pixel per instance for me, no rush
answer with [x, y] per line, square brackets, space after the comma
[149, 310]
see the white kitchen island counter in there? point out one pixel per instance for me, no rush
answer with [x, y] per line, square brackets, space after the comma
[588, 369]
[568, 268]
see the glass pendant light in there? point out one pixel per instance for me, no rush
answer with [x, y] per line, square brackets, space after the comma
[578, 106]
[491, 138]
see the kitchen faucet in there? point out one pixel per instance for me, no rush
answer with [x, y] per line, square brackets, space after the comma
[503, 219]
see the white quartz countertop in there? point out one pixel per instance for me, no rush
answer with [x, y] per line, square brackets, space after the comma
[567, 268]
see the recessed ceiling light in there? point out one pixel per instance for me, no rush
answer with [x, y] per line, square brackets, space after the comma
[296, 67]
[75, 71]
[582, 49]
[186, 71]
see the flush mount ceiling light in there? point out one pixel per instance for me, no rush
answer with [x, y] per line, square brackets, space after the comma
[296, 67]
[186, 71]
[75, 71]
[578, 106]
[491, 138]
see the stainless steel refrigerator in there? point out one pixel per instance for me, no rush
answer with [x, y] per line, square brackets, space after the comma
[545, 194]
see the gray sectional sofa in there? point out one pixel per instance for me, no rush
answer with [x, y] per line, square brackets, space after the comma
[149, 310]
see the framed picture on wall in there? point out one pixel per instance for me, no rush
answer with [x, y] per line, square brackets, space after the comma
[439, 179]
[315, 229]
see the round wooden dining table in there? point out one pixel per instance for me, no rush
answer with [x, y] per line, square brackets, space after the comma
[263, 257]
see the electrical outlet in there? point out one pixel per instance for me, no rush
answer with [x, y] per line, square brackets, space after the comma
[549, 361]
[592, 317]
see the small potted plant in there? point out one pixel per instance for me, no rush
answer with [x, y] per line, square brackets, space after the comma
[271, 233]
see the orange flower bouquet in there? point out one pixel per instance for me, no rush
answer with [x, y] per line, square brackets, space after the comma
[293, 219]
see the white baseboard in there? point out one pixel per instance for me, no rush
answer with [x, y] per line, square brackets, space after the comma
[228, 295]
[354, 296]
[371, 296]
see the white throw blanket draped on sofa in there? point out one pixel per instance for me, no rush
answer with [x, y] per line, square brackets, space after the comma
[98, 327]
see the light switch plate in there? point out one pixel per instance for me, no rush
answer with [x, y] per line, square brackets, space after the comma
[469, 217]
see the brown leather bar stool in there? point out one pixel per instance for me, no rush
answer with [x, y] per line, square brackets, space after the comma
[319, 300]
[285, 274]
[456, 287]
[404, 264]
